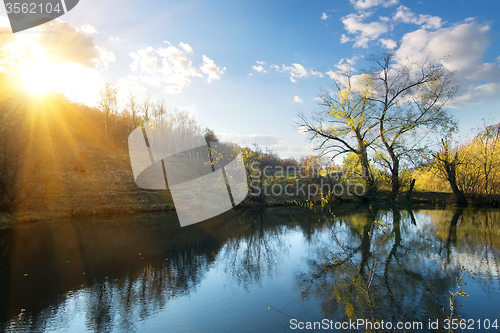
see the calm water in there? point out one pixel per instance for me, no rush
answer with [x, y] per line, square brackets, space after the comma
[146, 274]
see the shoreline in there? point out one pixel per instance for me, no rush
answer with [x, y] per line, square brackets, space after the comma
[162, 202]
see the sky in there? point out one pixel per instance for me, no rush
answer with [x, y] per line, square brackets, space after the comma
[249, 67]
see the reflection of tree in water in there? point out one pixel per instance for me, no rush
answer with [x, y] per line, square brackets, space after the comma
[175, 269]
[123, 273]
[256, 250]
[384, 266]
[472, 236]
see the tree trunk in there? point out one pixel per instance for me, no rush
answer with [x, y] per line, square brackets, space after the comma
[412, 185]
[452, 178]
[449, 165]
[370, 183]
[395, 185]
[394, 158]
[363, 158]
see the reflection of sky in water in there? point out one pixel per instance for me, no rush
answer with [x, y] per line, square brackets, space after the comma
[484, 298]
[222, 276]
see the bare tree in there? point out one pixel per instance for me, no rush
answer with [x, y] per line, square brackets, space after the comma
[159, 109]
[488, 142]
[108, 101]
[409, 97]
[447, 162]
[472, 167]
[146, 105]
[346, 123]
[133, 108]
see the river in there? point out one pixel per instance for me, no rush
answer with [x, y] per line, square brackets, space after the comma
[254, 270]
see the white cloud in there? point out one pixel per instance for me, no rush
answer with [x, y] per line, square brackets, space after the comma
[324, 16]
[211, 69]
[67, 44]
[344, 39]
[316, 73]
[367, 4]
[259, 69]
[344, 66]
[302, 129]
[261, 62]
[478, 94]
[88, 29]
[297, 99]
[144, 59]
[105, 57]
[388, 43]
[176, 61]
[364, 32]
[297, 71]
[276, 67]
[358, 82]
[176, 68]
[186, 47]
[333, 75]
[405, 15]
[464, 45]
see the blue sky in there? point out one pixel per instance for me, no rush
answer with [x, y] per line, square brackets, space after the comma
[249, 67]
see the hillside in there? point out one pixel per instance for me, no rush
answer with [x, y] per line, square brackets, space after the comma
[59, 159]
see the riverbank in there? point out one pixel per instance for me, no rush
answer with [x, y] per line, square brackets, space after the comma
[136, 201]
[116, 204]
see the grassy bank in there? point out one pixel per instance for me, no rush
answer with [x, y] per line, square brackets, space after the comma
[135, 200]
[100, 182]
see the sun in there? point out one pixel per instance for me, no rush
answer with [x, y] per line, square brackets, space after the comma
[40, 72]
[36, 80]
[36, 71]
